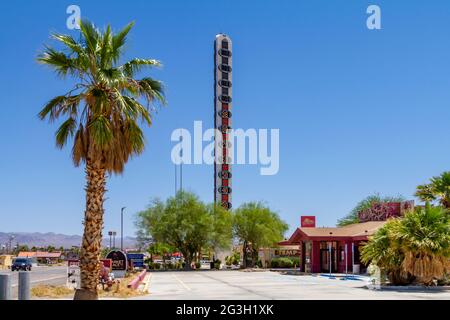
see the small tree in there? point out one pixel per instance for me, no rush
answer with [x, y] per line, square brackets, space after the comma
[256, 226]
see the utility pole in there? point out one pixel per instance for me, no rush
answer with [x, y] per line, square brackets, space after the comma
[114, 239]
[121, 228]
[176, 186]
[181, 164]
[110, 239]
[11, 238]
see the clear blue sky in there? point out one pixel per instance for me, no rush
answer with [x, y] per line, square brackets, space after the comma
[359, 111]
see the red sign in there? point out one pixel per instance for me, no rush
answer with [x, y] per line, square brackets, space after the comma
[73, 263]
[308, 221]
[107, 263]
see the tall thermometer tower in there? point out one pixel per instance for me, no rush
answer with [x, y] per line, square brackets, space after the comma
[222, 119]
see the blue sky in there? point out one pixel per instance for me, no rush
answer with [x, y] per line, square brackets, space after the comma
[359, 111]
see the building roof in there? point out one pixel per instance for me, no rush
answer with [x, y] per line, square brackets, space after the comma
[38, 254]
[352, 230]
[357, 230]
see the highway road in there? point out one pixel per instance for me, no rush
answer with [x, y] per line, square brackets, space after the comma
[54, 275]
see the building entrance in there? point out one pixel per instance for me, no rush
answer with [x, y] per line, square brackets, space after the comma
[327, 257]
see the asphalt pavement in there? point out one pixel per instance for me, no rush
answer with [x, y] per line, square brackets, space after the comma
[48, 275]
[263, 285]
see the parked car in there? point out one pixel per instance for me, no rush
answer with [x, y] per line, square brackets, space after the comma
[21, 264]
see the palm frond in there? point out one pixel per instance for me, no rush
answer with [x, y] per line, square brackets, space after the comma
[69, 42]
[133, 66]
[66, 130]
[58, 60]
[91, 35]
[152, 89]
[101, 131]
[118, 41]
[60, 105]
[105, 61]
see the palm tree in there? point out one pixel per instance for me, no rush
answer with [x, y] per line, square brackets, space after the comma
[414, 247]
[424, 238]
[101, 114]
[382, 250]
[437, 190]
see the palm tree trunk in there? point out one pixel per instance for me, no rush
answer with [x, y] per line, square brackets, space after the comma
[92, 236]
[244, 254]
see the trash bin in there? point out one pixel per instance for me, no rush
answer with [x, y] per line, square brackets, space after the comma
[356, 269]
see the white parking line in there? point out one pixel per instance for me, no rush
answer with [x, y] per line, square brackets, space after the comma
[181, 282]
[147, 279]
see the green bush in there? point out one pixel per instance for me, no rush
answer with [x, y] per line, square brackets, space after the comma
[217, 263]
[283, 262]
[156, 266]
[295, 261]
[197, 265]
[233, 259]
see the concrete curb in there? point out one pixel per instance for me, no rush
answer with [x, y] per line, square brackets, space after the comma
[414, 288]
[136, 281]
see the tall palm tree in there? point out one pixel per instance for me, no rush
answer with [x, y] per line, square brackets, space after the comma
[101, 116]
[437, 190]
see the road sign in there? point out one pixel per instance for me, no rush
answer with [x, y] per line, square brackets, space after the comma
[73, 274]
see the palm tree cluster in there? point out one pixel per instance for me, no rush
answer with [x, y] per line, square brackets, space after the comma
[414, 248]
[100, 115]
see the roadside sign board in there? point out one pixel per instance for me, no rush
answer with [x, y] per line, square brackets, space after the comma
[136, 260]
[107, 263]
[308, 221]
[73, 274]
[118, 263]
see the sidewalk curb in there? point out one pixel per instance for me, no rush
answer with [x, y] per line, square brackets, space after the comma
[415, 288]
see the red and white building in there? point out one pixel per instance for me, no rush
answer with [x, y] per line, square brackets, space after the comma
[337, 249]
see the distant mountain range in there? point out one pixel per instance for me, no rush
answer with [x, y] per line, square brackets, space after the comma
[56, 240]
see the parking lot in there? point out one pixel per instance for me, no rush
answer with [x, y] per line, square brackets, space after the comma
[262, 285]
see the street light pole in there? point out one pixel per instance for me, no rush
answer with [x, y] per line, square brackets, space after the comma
[114, 239]
[110, 239]
[121, 228]
[11, 238]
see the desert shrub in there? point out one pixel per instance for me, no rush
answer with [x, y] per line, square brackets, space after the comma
[282, 263]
